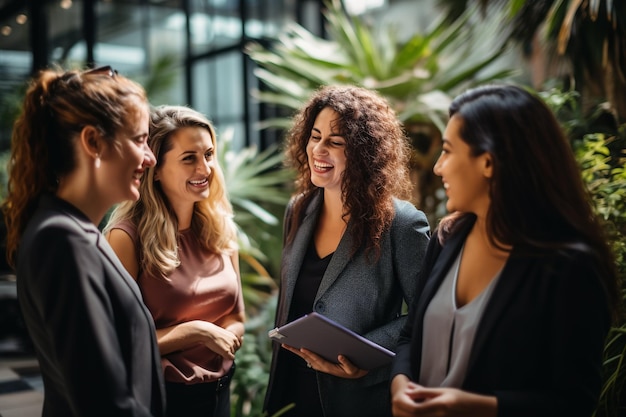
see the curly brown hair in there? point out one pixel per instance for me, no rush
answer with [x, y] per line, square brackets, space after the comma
[377, 152]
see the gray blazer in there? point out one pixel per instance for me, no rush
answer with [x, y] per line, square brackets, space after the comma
[366, 298]
[94, 338]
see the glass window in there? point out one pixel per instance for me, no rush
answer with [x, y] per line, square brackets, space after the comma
[214, 24]
[219, 93]
[15, 65]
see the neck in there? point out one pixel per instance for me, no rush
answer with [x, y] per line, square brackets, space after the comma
[481, 234]
[183, 215]
[333, 205]
[88, 202]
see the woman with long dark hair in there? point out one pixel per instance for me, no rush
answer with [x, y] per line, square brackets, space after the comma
[519, 286]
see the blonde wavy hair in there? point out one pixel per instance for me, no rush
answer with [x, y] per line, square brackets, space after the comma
[157, 225]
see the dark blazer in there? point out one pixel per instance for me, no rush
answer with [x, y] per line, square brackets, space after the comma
[538, 346]
[94, 338]
[366, 298]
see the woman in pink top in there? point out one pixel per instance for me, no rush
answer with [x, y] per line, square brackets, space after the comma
[179, 242]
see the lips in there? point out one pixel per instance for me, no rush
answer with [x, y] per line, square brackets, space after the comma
[199, 183]
[322, 166]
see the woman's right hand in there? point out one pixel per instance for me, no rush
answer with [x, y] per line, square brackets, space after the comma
[403, 402]
[221, 341]
[185, 335]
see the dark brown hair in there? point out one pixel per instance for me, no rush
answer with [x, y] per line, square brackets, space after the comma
[377, 152]
[538, 199]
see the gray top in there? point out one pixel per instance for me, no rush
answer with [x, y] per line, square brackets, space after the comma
[449, 332]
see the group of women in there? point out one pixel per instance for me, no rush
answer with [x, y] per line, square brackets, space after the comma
[503, 311]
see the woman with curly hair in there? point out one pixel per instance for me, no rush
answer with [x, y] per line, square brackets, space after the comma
[352, 248]
[79, 147]
[180, 243]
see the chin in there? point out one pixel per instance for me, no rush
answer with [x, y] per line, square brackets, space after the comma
[133, 196]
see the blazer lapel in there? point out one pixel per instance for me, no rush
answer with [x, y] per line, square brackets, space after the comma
[448, 254]
[299, 247]
[337, 263]
[297, 250]
[504, 291]
[107, 251]
[92, 231]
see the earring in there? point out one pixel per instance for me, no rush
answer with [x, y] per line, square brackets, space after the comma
[97, 161]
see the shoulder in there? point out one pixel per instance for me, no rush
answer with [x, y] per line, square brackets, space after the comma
[57, 240]
[58, 227]
[405, 213]
[566, 262]
[125, 225]
[568, 271]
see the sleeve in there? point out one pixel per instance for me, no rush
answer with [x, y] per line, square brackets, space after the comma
[402, 361]
[128, 227]
[409, 238]
[80, 318]
[579, 319]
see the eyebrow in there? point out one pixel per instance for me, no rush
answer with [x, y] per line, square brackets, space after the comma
[192, 152]
[331, 134]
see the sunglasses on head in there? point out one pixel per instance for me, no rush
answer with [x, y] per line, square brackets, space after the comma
[104, 70]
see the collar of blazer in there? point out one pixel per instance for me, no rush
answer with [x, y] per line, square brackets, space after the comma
[76, 218]
[296, 251]
[504, 291]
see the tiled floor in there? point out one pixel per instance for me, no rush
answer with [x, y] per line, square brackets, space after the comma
[21, 389]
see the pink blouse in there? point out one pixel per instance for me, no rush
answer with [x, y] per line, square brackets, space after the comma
[204, 287]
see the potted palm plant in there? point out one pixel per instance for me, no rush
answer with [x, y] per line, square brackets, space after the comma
[417, 75]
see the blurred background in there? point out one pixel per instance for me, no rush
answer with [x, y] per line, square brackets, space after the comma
[249, 64]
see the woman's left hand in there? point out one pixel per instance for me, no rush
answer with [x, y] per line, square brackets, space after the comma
[343, 369]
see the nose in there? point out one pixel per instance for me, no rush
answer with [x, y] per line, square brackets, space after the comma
[205, 166]
[149, 158]
[319, 147]
[437, 167]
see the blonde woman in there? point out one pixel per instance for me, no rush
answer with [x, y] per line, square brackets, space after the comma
[179, 242]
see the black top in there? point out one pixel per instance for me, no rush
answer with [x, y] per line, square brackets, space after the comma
[311, 273]
[302, 388]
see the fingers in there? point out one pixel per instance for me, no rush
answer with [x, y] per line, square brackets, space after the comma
[352, 370]
[225, 343]
[343, 369]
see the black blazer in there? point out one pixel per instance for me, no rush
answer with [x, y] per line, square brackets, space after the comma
[94, 338]
[538, 347]
[366, 298]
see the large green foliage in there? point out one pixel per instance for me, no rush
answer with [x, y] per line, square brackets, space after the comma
[606, 180]
[418, 75]
[259, 188]
[590, 36]
[602, 159]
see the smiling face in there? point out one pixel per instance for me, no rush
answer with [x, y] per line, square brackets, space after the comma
[326, 151]
[124, 162]
[465, 177]
[186, 169]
